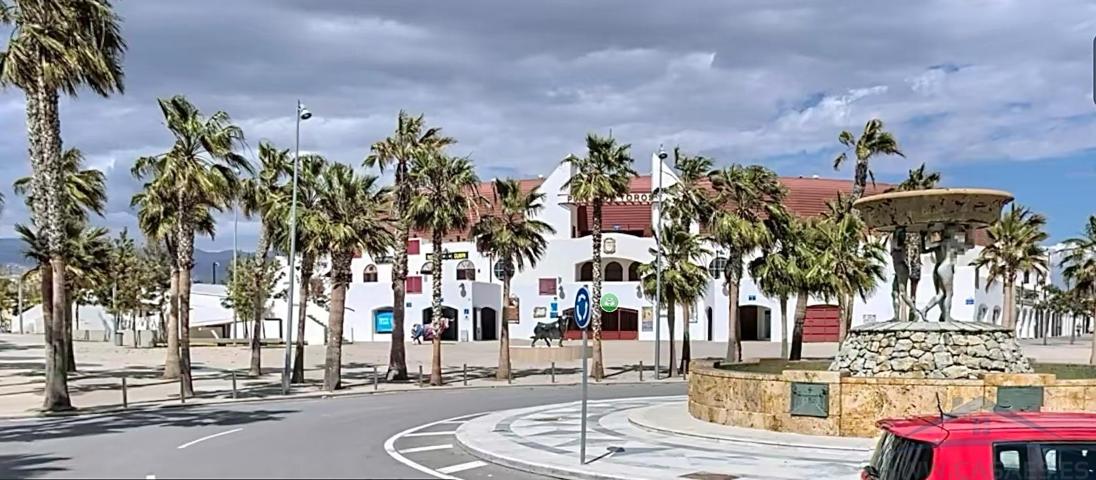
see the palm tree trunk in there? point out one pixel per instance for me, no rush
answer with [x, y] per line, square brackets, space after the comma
[504, 337]
[307, 263]
[670, 321]
[797, 333]
[186, 264]
[686, 354]
[261, 251]
[436, 275]
[860, 180]
[397, 352]
[56, 391]
[70, 354]
[597, 370]
[171, 361]
[784, 326]
[1009, 319]
[1092, 353]
[332, 373]
[843, 325]
[734, 327]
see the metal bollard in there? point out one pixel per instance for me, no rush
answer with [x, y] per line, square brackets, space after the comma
[233, 384]
[464, 374]
[641, 370]
[374, 377]
[553, 372]
[182, 390]
[510, 377]
[420, 376]
[125, 394]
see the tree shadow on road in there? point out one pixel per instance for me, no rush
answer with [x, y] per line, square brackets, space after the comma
[75, 426]
[28, 466]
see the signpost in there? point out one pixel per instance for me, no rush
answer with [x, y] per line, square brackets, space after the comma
[582, 319]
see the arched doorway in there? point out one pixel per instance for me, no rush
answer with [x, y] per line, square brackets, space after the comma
[450, 313]
[614, 272]
[822, 324]
[586, 272]
[488, 324]
[755, 321]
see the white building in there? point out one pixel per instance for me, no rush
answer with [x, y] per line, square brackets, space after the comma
[471, 288]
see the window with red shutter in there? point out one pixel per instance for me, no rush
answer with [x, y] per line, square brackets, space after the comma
[548, 286]
[413, 247]
[414, 285]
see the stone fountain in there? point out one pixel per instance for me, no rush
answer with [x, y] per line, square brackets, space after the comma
[912, 344]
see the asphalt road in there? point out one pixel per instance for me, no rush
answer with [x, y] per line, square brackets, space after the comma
[340, 437]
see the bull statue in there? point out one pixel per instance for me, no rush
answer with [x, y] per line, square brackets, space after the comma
[549, 331]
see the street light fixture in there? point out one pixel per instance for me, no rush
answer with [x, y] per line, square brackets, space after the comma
[302, 114]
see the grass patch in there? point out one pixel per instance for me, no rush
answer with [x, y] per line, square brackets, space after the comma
[1066, 371]
[777, 365]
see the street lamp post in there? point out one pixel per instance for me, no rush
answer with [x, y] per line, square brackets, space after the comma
[302, 114]
[658, 269]
[235, 248]
[21, 276]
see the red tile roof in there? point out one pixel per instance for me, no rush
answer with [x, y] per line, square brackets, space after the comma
[806, 197]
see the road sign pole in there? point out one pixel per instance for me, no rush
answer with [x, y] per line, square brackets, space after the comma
[582, 434]
[582, 320]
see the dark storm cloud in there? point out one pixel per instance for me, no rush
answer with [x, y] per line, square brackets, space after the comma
[520, 83]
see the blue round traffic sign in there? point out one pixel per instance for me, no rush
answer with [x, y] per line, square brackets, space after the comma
[582, 308]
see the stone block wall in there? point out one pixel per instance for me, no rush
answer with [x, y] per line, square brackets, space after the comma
[759, 400]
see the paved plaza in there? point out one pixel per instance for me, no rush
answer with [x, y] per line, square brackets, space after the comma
[102, 366]
[622, 444]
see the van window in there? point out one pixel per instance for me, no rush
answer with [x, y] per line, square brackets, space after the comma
[898, 458]
[1049, 461]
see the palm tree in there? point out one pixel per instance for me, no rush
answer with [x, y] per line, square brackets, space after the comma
[873, 141]
[310, 223]
[683, 280]
[196, 176]
[858, 262]
[260, 195]
[510, 232]
[352, 216]
[810, 269]
[1080, 269]
[57, 47]
[603, 174]
[747, 196]
[918, 179]
[411, 140]
[771, 272]
[1014, 248]
[689, 199]
[83, 192]
[444, 198]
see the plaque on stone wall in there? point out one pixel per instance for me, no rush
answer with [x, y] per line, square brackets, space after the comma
[1019, 399]
[810, 399]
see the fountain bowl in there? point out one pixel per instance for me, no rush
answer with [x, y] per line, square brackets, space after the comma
[919, 210]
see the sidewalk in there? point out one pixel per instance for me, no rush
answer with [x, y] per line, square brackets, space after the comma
[545, 440]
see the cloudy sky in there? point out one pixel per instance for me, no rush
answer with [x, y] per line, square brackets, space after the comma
[991, 93]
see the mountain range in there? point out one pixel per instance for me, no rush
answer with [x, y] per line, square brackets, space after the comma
[206, 263]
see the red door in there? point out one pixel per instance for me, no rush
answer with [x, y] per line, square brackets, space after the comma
[822, 324]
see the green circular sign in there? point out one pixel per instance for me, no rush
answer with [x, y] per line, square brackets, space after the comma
[609, 302]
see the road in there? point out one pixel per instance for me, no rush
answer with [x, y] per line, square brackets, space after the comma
[341, 437]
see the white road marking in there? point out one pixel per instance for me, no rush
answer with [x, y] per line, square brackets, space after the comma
[207, 437]
[431, 434]
[460, 467]
[150, 477]
[427, 448]
[390, 446]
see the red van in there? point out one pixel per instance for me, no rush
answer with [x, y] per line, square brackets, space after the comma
[986, 446]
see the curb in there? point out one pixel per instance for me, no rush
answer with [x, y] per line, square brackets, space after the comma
[732, 439]
[198, 402]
